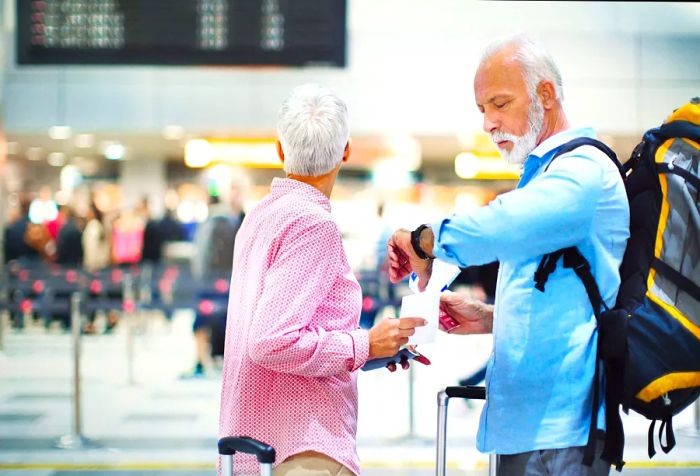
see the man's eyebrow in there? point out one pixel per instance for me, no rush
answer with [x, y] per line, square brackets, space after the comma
[499, 96]
[493, 99]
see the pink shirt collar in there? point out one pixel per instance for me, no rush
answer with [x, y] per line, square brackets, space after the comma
[283, 186]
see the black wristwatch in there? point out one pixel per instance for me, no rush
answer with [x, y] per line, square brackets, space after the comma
[415, 242]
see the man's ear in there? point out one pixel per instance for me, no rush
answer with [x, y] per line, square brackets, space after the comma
[280, 152]
[347, 151]
[547, 93]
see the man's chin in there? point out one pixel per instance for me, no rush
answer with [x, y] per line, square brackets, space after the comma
[511, 158]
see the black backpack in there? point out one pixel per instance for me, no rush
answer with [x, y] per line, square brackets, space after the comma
[649, 343]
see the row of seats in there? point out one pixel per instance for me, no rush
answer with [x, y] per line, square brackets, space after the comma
[42, 292]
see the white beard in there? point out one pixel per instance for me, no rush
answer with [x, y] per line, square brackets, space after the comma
[523, 145]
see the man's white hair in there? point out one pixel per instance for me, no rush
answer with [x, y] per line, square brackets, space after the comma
[537, 64]
[313, 130]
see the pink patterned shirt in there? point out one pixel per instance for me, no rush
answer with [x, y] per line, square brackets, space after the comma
[292, 337]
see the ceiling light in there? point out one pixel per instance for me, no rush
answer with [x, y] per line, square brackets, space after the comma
[197, 153]
[57, 159]
[84, 141]
[35, 153]
[114, 151]
[173, 132]
[466, 165]
[59, 132]
[12, 148]
[391, 174]
[405, 149]
[70, 178]
[479, 167]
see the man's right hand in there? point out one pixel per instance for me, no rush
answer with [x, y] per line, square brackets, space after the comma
[388, 335]
[471, 315]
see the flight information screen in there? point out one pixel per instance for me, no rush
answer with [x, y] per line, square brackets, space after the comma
[182, 32]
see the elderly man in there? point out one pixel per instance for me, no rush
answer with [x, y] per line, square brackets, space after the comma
[540, 376]
[293, 345]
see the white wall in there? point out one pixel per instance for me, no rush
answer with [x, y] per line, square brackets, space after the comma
[410, 69]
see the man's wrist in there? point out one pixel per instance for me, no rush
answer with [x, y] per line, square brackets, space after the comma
[427, 240]
[422, 239]
[486, 311]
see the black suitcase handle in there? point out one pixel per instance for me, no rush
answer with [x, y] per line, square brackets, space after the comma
[229, 445]
[470, 392]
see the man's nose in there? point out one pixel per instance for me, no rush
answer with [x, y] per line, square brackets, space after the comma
[490, 124]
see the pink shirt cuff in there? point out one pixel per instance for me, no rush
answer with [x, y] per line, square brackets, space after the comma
[360, 345]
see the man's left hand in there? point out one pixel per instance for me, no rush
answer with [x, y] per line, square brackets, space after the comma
[403, 260]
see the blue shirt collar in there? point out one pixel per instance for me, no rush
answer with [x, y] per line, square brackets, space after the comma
[543, 152]
[554, 142]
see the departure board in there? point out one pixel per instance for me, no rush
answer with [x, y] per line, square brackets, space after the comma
[182, 32]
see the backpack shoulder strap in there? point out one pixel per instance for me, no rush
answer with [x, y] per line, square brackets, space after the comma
[572, 257]
[549, 261]
[580, 142]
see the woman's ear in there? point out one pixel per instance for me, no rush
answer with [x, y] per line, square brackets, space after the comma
[280, 152]
[347, 151]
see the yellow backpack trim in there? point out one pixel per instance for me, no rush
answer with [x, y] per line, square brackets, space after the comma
[687, 112]
[666, 383]
[663, 217]
[692, 142]
[659, 244]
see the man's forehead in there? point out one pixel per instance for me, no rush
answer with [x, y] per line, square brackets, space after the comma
[498, 78]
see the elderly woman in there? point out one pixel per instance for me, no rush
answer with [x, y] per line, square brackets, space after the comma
[293, 345]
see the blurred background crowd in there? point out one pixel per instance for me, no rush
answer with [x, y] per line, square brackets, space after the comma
[134, 136]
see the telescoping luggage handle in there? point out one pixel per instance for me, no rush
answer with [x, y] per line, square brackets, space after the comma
[228, 446]
[468, 392]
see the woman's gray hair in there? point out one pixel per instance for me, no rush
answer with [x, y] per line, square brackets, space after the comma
[313, 130]
[537, 63]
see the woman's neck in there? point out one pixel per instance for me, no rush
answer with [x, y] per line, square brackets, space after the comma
[323, 183]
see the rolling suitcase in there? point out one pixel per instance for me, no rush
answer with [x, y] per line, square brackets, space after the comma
[229, 445]
[473, 393]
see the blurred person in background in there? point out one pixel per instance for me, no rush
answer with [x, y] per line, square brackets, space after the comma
[212, 261]
[96, 257]
[152, 240]
[95, 241]
[215, 237]
[170, 228]
[43, 209]
[293, 346]
[69, 244]
[537, 418]
[158, 233]
[16, 247]
[479, 284]
[127, 236]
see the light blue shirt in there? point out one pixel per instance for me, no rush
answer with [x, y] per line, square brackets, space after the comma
[539, 378]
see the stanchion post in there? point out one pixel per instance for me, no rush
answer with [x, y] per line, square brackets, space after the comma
[128, 309]
[145, 298]
[75, 439]
[693, 430]
[5, 299]
[411, 392]
[493, 464]
[411, 433]
[441, 446]
[3, 323]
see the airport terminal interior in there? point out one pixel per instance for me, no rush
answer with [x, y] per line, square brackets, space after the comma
[127, 126]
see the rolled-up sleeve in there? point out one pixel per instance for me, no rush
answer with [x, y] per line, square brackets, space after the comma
[555, 210]
[284, 337]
